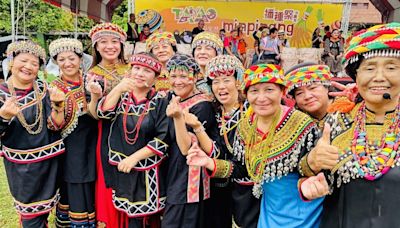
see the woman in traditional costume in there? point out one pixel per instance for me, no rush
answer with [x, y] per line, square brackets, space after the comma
[225, 74]
[78, 168]
[163, 46]
[205, 46]
[365, 181]
[137, 142]
[187, 186]
[272, 138]
[108, 71]
[30, 116]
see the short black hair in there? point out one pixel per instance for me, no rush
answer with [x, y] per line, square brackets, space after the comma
[146, 25]
[222, 30]
[273, 30]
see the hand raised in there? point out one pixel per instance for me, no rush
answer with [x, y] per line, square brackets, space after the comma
[56, 96]
[324, 155]
[350, 90]
[173, 109]
[315, 187]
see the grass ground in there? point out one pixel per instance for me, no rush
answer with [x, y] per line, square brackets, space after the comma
[8, 214]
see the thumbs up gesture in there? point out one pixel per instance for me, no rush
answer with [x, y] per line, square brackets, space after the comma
[324, 156]
[315, 187]
[9, 108]
[173, 108]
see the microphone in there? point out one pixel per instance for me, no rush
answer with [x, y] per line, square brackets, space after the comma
[386, 96]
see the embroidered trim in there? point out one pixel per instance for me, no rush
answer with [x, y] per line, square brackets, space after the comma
[153, 203]
[34, 155]
[37, 208]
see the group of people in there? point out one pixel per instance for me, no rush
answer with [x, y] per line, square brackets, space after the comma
[173, 140]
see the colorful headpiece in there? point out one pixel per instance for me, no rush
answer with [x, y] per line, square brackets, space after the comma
[185, 63]
[159, 37]
[263, 73]
[150, 17]
[379, 40]
[65, 44]
[224, 65]
[146, 61]
[307, 74]
[209, 39]
[107, 29]
[26, 46]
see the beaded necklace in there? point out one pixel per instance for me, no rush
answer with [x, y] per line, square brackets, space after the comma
[39, 110]
[374, 160]
[258, 152]
[136, 129]
[225, 129]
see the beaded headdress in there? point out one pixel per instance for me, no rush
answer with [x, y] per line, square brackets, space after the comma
[306, 74]
[65, 44]
[107, 29]
[146, 61]
[159, 37]
[26, 46]
[263, 73]
[224, 65]
[185, 63]
[209, 39]
[379, 40]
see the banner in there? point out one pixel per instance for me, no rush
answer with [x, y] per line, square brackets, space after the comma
[299, 20]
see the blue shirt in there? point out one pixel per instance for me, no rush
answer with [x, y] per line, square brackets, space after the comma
[282, 207]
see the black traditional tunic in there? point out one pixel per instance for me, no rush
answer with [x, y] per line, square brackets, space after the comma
[79, 162]
[135, 125]
[245, 207]
[356, 201]
[106, 214]
[188, 185]
[31, 160]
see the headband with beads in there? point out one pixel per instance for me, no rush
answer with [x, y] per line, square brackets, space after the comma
[209, 39]
[25, 46]
[159, 38]
[224, 65]
[307, 75]
[65, 44]
[185, 63]
[107, 29]
[146, 61]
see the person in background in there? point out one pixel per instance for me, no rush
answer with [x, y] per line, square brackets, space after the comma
[199, 28]
[317, 38]
[205, 46]
[231, 44]
[282, 41]
[269, 46]
[163, 46]
[222, 34]
[133, 29]
[145, 33]
[327, 31]
[333, 52]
